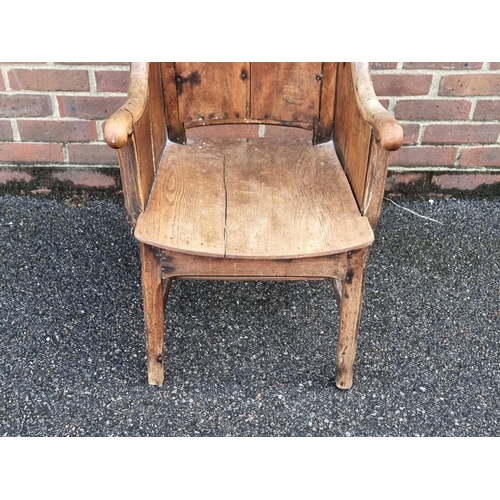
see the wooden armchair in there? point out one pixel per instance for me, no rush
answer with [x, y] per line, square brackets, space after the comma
[259, 208]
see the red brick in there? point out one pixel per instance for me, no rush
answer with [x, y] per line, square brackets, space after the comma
[383, 65]
[224, 131]
[481, 157]
[7, 175]
[494, 65]
[112, 81]
[465, 182]
[443, 65]
[424, 156]
[399, 181]
[32, 152]
[49, 79]
[85, 178]
[384, 102]
[93, 107]
[487, 110]
[2, 83]
[461, 134]
[470, 84]
[387, 85]
[430, 109]
[25, 105]
[57, 130]
[95, 154]
[411, 133]
[5, 130]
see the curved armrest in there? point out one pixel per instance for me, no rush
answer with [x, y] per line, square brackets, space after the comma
[385, 126]
[119, 126]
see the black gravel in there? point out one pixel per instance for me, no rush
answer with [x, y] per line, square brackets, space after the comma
[248, 359]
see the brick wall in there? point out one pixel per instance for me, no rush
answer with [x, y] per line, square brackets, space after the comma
[52, 116]
[450, 112]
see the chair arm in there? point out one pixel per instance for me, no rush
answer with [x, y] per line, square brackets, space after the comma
[120, 125]
[385, 126]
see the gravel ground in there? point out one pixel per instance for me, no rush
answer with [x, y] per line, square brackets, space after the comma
[248, 359]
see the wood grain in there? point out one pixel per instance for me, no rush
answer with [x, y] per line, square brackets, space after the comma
[152, 291]
[286, 91]
[119, 126]
[176, 265]
[350, 314]
[143, 143]
[186, 211]
[376, 178]
[157, 110]
[352, 133]
[211, 91]
[289, 199]
[253, 198]
[175, 126]
[323, 130]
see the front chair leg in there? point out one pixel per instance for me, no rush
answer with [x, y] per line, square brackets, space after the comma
[350, 313]
[152, 290]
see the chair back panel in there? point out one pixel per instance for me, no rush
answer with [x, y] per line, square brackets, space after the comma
[293, 94]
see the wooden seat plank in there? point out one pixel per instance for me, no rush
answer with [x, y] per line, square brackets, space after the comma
[253, 198]
[186, 208]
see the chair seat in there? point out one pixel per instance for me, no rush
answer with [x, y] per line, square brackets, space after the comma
[252, 198]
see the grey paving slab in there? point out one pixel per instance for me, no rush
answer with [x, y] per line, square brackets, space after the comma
[248, 359]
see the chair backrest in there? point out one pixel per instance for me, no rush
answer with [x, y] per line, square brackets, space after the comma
[293, 94]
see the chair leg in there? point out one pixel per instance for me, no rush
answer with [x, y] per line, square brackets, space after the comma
[350, 313]
[152, 289]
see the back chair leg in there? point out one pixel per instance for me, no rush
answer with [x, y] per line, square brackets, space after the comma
[152, 289]
[350, 313]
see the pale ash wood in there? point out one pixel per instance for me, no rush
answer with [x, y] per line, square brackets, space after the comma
[152, 290]
[211, 91]
[286, 91]
[186, 210]
[285, 199]
[350, 314]
[289, 199]
[176, 265]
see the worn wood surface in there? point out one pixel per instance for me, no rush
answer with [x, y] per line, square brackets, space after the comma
[119, 126]
[376, 177]
[352, 134]
[289, 199]
[143, 143]
[286, 91]
[152, 291]
[175, 126]
[253, 198]
[350, 314]
[323, 129]
[211, 91]
[385, 126]
[157, 110]
[186, 211]
[129, 172]
[181, 265]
